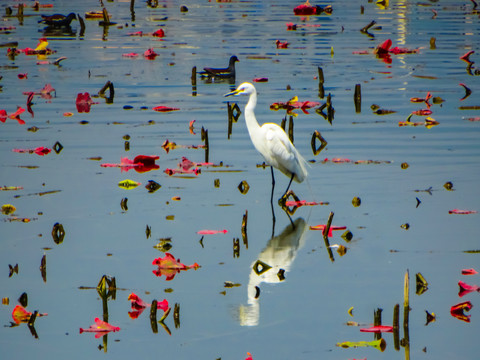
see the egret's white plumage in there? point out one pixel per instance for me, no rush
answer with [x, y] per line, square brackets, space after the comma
[271, 141]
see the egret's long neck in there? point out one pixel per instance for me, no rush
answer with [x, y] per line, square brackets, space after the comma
[250, 119]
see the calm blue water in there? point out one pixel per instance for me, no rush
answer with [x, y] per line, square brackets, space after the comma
[304, 316]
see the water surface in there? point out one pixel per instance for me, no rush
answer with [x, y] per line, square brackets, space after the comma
[305, 315]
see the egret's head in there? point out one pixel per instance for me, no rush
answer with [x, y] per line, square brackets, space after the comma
[244, 89]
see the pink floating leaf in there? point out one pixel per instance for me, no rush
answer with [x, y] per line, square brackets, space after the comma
[141, 163]
[163, 305]
[84, 102]
[422, 112]
[186, 164]
[171, 172]
[159, 33]
[323, 228]
[462, 212]
[466, 57]
[136, 302]
[169, 266]
[378, 329]
[281, 45]
[101, 328]
[469, 272]
[16, 115]
[41, 150]
[3, 115]
[150, 54]
[46, 92]
[465, 288]
[211, 232]
[299, 203]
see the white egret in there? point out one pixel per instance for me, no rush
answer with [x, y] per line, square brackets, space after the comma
[271, 141]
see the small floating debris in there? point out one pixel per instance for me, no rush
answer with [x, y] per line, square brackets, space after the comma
[128, 184]
[428, 123]
[282, 45]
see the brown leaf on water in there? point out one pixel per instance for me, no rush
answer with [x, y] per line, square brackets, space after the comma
[43, 268]
[428, 77]
[230, 284]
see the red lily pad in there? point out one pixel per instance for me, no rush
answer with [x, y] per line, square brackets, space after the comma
[459, 309]
[162, 108]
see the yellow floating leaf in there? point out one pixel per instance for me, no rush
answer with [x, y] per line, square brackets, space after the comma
[128, 184]
[8, 209]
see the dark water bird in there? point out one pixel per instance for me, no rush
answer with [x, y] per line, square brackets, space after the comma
[58, 20]
[271, 141]
[222, 73]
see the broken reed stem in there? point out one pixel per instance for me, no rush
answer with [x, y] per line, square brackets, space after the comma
[396, 336]
[206, 146]
[377, 320]
[244, 229]
[406, 310]
[327, 227]
[357, 98]
[325, 237]
[153, 316]
[406, 303]
[108, 85]
[194, 76]
[365, 29]
[321, 79]
[230, 119]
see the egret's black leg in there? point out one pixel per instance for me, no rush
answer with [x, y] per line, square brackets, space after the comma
[290, 183]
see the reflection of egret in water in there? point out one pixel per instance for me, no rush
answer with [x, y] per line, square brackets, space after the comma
[279, 253]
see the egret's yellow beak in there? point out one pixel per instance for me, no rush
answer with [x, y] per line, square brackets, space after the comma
[234, 92]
